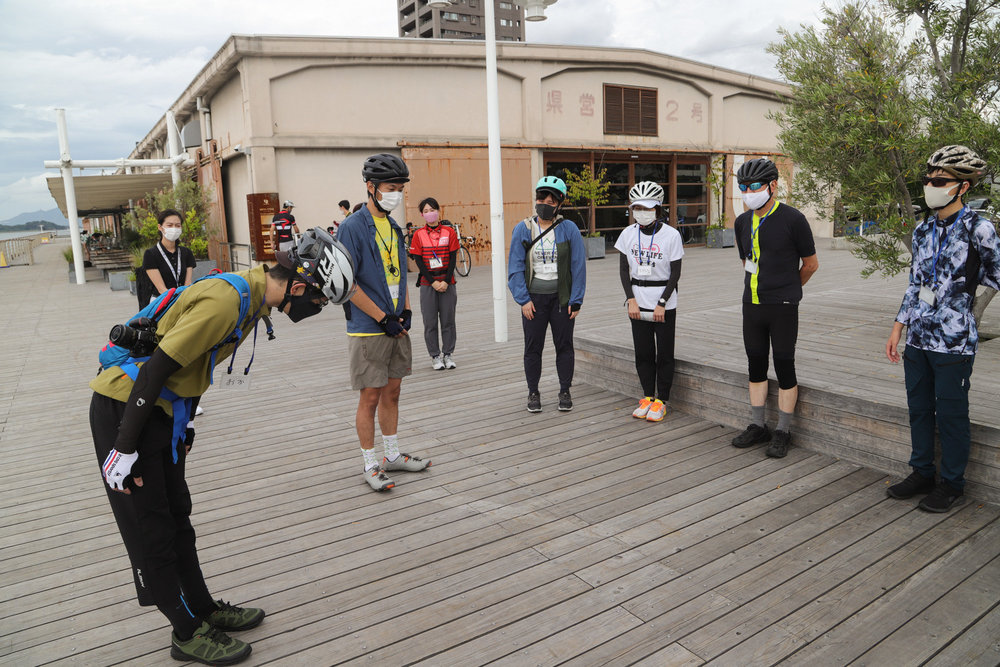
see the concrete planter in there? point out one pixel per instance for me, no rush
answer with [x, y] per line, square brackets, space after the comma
[202, 268]
[720, 238]
[118, 280]
[595, 246]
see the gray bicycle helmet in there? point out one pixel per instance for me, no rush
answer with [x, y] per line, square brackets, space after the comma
[757, 170]
[385, 168]
[323, 263]
[959, 161]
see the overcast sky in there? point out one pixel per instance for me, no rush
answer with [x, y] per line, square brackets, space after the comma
[116, 65]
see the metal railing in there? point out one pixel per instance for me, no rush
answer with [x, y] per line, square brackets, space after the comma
[18, 252]
[240, 255]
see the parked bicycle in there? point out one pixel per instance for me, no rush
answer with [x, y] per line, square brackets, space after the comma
[464, 259]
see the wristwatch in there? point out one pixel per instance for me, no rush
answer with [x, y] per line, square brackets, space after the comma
[662, 302]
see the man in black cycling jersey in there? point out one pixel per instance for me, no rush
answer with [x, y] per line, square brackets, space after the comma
[283, 228]
[778, 255]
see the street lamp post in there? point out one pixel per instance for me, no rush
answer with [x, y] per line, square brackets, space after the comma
[534, 10]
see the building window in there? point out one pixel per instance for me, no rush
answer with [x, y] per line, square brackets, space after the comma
[630, 110]
[506, 5]
[449, 16]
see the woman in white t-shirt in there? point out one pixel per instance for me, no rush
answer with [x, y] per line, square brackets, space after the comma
[651, 252]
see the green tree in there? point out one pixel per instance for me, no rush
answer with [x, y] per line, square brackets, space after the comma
[190, 199]
[877, 87]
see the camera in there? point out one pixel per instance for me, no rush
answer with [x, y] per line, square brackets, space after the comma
[138, 336]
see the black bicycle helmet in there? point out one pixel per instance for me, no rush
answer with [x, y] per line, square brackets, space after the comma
[385, 168]
[322, 262]
[757, 170]
[959, 161]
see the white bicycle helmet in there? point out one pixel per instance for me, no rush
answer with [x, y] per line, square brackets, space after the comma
[959, 161]
[287, 204]
[646, 194]
[322, 262]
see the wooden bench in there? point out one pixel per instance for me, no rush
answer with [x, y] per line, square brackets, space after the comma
[111, 260]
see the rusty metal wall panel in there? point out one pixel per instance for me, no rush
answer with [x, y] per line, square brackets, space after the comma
[459, 179]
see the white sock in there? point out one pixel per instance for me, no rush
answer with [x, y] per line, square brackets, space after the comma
[390, 444]
[371, 460]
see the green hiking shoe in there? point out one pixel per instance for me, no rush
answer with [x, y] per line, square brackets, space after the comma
[230, 618]
[209, 646]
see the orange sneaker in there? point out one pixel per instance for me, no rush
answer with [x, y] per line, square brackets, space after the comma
[657, 411]
[643, 409]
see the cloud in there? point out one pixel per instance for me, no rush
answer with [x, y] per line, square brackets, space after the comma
[117, 65]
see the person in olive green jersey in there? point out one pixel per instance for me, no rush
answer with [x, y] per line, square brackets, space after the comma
[144, 453]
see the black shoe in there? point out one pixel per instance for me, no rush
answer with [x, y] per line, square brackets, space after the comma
[780, 443]
[911, 486]
[534, 402]
[941, 499]
[752, 436]
[565, 401]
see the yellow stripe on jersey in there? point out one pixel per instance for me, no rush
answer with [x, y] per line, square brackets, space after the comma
[755, 252]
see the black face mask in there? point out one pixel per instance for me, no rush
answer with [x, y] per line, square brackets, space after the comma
[303, 305]
[546, 211]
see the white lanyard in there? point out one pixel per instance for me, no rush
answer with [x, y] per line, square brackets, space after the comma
[177, 272]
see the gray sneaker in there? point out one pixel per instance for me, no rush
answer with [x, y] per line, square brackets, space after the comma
[449, 363]
[437, 363]
[405, 462]
[378, 480]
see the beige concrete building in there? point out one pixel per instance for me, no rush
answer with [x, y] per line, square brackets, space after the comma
[463, 20]
[272, 118]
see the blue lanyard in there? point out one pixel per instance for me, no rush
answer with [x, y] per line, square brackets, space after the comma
[754, 231]
[649, 250]
[944, 240]
[434, 242]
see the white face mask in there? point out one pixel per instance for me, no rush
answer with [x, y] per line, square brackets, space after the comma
[939, 197]
[643, 217]
[754, 200]
[390, 200]
[171, 233]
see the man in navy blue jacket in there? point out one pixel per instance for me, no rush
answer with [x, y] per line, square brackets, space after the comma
[379, 317]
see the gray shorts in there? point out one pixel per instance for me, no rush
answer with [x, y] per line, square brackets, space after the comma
[375, 359]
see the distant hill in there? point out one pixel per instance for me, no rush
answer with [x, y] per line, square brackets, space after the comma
[34, 226]
[52, 215]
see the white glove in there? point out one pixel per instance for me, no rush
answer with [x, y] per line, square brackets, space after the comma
[117, 467]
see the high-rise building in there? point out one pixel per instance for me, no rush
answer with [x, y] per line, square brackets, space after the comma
[465, 19]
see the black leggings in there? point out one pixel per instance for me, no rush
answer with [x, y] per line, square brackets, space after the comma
[154, 520]
[774, 327]
[654, 354]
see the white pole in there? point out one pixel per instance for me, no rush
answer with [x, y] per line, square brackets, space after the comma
[174, 145]
[67, 176]
[497, 239]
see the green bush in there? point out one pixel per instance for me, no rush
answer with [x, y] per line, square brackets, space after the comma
[188, 197]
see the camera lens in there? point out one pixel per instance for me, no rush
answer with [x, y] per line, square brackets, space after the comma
[123, 336]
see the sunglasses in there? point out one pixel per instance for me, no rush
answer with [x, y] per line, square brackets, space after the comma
[937, 181]
[751, 186]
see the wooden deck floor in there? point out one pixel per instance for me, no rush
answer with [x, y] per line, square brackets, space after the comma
[579, 538]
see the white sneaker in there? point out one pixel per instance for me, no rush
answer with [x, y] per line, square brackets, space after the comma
[448, 361]
[198, 411]
[378, 480]
[438, 363]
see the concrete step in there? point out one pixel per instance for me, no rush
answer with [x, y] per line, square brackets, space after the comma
[858, 429]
